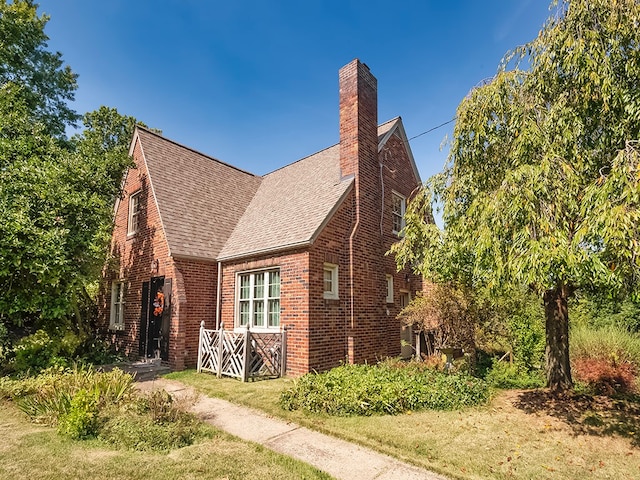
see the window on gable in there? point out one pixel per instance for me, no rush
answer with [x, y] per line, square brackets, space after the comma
[389, 288]
[258, 304]
[134, 213]
[330, 281]
[398, 207]
[116, 319]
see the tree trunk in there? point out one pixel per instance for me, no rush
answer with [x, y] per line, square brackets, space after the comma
[557, 333]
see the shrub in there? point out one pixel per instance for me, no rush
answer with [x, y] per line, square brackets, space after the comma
[57, 389]
[80, 420]
[134, 431]
[509, 376]
[36, 352]
[387, 388]
[83, 403]
[606, 376]
[154, 423]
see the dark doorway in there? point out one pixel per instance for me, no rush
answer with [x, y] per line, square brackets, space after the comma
[155, 318]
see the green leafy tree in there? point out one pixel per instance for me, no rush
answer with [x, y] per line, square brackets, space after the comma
[542, 187]
[55, 210]
[24, 60]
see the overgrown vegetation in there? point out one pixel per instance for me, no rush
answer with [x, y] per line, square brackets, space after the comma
[39, 351]
[388, 388]
[606, 359]
[82, 404]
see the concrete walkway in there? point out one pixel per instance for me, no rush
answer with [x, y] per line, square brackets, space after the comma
[342, 460]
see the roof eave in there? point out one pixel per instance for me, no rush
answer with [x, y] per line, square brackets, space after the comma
[255, 253]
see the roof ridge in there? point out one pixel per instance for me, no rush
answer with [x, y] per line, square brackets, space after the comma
[394, 119]
[178, 144]
[301, 159]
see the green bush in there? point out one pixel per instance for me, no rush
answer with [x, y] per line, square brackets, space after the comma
[527, 336]
[80, 420]
[510, 376]
[155, 423]
[599, 312]
[56, 391]
[36, 352]
[83, 403]
[388, 388]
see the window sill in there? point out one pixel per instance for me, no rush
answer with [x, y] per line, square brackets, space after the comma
[258, 329]
[116, 328]
[330, 296]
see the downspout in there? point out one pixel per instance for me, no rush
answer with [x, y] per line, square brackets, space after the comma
[351, 237]
[218, 299]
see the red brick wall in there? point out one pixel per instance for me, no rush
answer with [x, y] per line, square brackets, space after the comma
[193, 283]
[294, 301]
[329, 318]
[196, 284]
[372, 330]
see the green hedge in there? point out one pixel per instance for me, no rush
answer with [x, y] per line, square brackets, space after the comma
[388, 388]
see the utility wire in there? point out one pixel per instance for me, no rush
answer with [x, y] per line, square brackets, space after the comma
[434, 128]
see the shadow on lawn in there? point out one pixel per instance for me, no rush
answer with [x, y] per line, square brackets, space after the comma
[586, 414]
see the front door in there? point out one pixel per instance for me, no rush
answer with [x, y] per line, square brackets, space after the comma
[155, 318]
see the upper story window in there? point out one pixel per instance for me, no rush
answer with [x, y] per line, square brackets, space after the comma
[330, 281]
[134, 213]
[258, 299]
[389, 288]
[398, 207]
[116, 319]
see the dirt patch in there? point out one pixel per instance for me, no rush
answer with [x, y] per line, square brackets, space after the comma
[584, 414]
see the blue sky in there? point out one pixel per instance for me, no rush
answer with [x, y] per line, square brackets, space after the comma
[255, 83]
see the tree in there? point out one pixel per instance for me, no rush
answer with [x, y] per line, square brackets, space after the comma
[25, 60]
[542, 184]
[56, 209]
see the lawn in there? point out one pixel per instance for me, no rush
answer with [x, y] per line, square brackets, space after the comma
[519, 435]
[29, 451]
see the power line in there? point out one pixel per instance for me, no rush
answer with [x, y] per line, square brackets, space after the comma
[434, 128]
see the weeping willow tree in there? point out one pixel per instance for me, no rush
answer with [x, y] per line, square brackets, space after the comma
[541, 188]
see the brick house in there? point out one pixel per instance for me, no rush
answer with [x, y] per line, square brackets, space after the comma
[301, 248]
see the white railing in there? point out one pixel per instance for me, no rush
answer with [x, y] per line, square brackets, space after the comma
[242, 355]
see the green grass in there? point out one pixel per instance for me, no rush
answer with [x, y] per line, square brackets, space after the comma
[519, 435]
[29, 451]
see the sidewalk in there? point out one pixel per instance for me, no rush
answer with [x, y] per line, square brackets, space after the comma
[342, 460]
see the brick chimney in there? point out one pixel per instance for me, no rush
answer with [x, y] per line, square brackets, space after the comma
[359, 158]
[358, 120]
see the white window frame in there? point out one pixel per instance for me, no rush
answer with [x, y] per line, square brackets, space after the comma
[134, 213]
[330, 269]
[398, 209]
[116, 315]
[259, 299]
[407, 294]
[389, 288]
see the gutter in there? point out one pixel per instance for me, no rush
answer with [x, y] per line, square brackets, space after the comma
[218, 298]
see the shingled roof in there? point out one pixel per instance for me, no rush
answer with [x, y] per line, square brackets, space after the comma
[290, 207]
[200, 199]
[212, 210]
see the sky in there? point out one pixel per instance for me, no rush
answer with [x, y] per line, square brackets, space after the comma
[255, 83]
